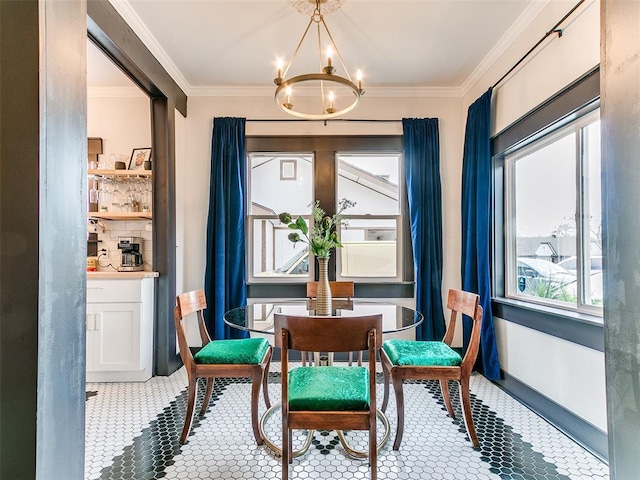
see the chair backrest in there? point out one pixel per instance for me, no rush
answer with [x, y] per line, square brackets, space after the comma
[466, 303]
[338, 289]
[186, 304]
[327, 334]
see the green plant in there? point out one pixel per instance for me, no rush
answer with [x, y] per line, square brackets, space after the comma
[323, 236]
[544, 288]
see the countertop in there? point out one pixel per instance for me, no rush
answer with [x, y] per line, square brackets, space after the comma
[120, 275]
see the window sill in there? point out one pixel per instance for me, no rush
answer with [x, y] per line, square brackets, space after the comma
[362, 290]
[580, 328]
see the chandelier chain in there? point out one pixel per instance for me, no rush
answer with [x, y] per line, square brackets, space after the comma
[344, 67]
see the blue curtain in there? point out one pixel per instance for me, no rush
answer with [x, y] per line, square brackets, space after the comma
[225, 273]
[422, 168]
[476, 218]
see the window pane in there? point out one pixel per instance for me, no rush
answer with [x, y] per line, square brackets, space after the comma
[280, 183]
[544, 223]
[592, 244]
[369, 248]
[274, 255]
[369, 243]
[371, 181]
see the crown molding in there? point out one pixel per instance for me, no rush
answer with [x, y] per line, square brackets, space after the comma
[115, 92]
[375, 92]
[126, 11]
[515, 30]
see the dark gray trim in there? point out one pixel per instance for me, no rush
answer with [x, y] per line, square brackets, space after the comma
[43, 152]
[561, 107]
[164, 235]
[620, 130]
[568, 100]
[574, 327]
[19, 292]
[115, 38]
[111, 34]
[362, 290]
[589, 436]
[325, 147]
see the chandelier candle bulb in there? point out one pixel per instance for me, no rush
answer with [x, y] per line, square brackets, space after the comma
[280, 65]
[359, 79]
[288, 103]
[329, 55]
[331, 109]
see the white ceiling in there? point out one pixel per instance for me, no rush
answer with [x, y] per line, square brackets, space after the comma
[397, 43]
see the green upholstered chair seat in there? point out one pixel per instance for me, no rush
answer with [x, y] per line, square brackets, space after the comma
[248, 351]
[424, 354]
[329, 388]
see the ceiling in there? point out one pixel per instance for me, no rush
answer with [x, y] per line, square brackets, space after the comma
[214, 44]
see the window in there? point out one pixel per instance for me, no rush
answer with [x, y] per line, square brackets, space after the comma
[365, 170]
[277, 183]
[553, 228]
[370, 237]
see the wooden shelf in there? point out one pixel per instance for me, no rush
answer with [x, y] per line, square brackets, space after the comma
[120, 173]
[121, 216]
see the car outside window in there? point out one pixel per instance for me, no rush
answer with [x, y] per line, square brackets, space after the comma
[553, 240]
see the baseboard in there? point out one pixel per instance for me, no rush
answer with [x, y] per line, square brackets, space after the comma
[126, 376]
[589, 436]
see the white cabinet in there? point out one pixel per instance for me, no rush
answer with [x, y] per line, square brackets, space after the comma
[119, 330]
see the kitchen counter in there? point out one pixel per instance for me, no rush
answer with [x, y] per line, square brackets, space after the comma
[120, 275]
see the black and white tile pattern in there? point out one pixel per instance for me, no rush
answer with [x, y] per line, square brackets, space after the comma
[132, 432]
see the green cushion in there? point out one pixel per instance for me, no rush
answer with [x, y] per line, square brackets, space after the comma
[243, 351]
[329, 388]
[425, 354]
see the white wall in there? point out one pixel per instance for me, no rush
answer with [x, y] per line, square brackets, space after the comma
[194, 201]
[124, 123]
[565, 372]
[569, 374]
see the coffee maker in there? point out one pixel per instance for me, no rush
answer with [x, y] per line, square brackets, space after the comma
[131, 257]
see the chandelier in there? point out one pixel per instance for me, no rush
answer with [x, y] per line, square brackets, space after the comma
[325, 94]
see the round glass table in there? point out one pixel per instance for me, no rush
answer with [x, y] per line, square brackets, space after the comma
[259, 317]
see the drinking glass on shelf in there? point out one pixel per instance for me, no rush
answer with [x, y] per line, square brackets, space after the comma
[104, 192]
[93, 193]
[147, 198]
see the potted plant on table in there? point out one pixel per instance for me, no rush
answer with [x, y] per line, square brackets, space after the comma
[322, 238]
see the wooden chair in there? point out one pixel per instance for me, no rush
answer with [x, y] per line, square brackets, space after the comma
[339, 290]
[403, 359]
[315, 398]
[249, 357]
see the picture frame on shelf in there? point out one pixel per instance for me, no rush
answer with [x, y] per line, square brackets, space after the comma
[140, 159]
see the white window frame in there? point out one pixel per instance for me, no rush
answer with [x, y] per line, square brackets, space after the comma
[250, 221]
[543, 139]
[398, 220]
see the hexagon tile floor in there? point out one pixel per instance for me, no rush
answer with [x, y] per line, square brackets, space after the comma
[132, 432]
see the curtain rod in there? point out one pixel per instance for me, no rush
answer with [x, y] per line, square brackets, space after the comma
[325, 121]
[553, 30]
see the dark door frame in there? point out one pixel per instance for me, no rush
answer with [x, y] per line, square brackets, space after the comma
[113, 36]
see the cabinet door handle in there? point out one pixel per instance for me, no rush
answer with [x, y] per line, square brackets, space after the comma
[91, 321]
